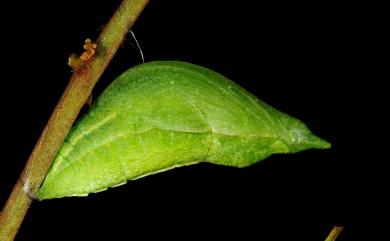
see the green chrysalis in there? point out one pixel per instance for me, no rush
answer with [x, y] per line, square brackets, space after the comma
[162, 115]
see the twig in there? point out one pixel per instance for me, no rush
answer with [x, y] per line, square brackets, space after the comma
[334, 233]
[80, 86]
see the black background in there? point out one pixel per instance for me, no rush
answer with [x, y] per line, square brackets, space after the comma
[301, 58]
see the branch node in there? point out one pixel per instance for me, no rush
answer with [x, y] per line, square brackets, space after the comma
[74, 61]
[90, 50]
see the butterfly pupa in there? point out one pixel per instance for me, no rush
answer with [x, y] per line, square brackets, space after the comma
[162, 115]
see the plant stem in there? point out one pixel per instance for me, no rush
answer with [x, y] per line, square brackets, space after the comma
[334, 233]
[79, 88]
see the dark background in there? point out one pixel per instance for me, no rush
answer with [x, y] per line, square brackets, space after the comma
[303, 59]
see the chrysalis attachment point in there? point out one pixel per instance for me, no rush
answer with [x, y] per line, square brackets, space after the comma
[138, 46]
[27, 189]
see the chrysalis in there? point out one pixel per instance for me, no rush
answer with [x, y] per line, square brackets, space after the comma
[162, 115]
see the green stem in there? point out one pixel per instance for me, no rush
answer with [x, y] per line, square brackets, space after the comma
[79, 88]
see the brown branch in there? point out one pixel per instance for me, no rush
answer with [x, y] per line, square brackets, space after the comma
[76, 94]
